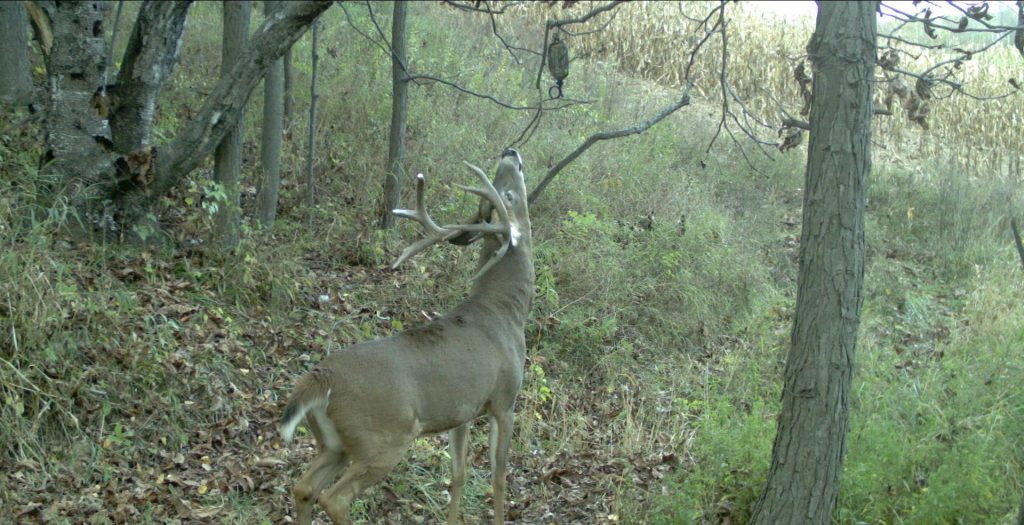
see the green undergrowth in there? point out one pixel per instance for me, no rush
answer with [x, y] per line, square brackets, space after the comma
[665, 289]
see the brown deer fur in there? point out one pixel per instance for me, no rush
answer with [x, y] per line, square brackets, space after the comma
[367, 403]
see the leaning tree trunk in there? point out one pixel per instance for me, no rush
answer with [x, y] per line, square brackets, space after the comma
[153, 51]
[227, 166]
[77, 133]
[224, 107]
[807, 458]
[15, 76]
[273, 120]
[399, 104]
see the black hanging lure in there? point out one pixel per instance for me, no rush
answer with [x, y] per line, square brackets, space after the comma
[558, 65]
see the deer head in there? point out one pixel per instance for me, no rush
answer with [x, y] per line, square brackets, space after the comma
[367, 403]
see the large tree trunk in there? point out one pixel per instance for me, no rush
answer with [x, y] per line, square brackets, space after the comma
[77, 134]
[273, 120]
[807, 458]
[15, 76]
[399, 104]
[227, 165]
[153, 51]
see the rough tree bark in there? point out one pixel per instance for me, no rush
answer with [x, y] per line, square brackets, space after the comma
[15, 76]
[227, 160]
[399, 111]
[273, 120]
[77, 133]
[807, 457]
[153, 51]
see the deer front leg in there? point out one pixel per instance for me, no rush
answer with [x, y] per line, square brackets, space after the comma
[501, 437]
[457, 441]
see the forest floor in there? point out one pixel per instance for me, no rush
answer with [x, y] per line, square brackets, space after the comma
[233, 467]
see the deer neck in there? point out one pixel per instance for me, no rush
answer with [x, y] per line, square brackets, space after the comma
[508, 286]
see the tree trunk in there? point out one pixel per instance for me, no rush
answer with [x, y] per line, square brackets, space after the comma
[399, 104]
[77, 134]
[78, 139]
[15, 75]
[289, 82]
[807, 457]
[153, 51]
[311, 143]
[225, 105]
[227, 166]
[273, 120]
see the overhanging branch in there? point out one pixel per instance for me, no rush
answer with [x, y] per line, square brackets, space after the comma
[608, 135]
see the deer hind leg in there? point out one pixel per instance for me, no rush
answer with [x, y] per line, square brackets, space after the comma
[327, 465]
[369, 465]
[501, 437]
[458, 441]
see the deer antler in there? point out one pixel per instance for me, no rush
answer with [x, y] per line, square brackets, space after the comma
[435, 233]
[504, 227]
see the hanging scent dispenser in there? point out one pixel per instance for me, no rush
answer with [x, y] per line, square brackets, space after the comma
[558, 65]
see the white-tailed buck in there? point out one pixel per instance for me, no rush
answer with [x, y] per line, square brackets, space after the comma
[367, 403]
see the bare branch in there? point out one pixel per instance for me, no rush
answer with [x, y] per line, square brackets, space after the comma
[792, 122]
[386, 46]
[607, 135]
[475, 9]
[598, 29]
[471, 92]
[929, 21]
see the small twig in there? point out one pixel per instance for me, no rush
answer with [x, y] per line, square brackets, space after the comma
[508, 47]
[475, 9]
[598, 29]
[700, 44]
[792, 122]
[909, 18]
[608, 135]
[1017, 241]
[471, 92]
[348, 18]
[722, 80]
[909, 43]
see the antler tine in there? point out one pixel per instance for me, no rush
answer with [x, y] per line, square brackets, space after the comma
[488, 192]
[420, 213]
[435, 233]
[504, 227]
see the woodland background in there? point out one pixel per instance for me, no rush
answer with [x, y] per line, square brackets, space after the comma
[141, 383]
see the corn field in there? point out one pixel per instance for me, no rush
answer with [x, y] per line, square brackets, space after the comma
[981, 138]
